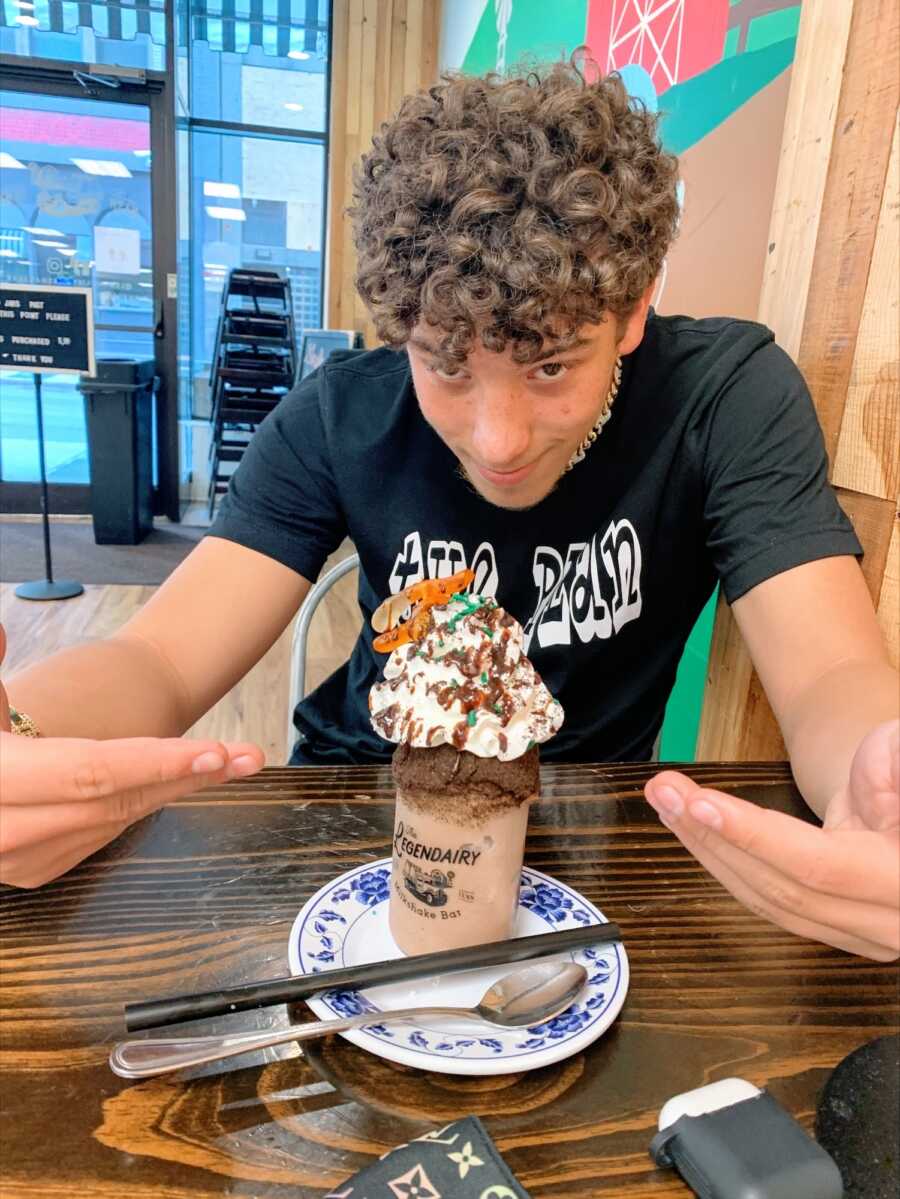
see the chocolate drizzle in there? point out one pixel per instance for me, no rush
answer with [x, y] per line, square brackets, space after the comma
[484, 667]
[387, 719]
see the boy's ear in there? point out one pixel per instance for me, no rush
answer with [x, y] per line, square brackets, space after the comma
[633, 328]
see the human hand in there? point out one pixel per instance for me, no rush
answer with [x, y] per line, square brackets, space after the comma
[839, 884]
[62, 798]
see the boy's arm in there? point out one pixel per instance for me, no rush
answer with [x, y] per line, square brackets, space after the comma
[111, 713]
[815, 641]
[198, 635]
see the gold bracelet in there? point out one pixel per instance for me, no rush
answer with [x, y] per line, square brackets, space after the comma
[22, 724]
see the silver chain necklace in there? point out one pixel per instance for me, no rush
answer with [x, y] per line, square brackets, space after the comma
[605, 413]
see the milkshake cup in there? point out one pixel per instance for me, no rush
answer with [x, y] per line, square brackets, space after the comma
[467, 711]
[458, 850]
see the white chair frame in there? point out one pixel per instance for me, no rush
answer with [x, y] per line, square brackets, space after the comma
[301, 636]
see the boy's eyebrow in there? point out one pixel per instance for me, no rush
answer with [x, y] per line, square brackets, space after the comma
[557, 351]
[579, 343]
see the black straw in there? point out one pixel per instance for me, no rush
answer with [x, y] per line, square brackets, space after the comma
[157, 1012]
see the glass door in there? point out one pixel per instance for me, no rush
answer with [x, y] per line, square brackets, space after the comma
[77, 209]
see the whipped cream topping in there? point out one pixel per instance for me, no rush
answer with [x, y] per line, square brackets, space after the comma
[466, 683]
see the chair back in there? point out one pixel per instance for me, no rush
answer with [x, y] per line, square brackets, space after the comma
[300, 639]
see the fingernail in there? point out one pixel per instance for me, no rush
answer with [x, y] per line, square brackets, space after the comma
[706, 813]
[207, 763]
[667, 802]
[238, 767]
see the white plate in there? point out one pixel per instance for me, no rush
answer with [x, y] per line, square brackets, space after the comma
[345, 924]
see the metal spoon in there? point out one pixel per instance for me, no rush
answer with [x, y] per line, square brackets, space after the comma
[528, 996]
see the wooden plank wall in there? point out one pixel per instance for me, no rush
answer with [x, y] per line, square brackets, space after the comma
[830, 293]
[381, 51]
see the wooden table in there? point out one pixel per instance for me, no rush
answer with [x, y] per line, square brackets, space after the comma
[203, 895]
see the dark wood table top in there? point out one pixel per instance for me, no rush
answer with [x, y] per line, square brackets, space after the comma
[203, 894]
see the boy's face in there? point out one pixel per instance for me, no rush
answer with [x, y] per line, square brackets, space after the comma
[514, 428]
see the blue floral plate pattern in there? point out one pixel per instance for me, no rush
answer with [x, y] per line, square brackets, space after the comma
[345, 924]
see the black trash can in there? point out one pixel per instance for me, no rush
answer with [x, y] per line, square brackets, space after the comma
[118, 407]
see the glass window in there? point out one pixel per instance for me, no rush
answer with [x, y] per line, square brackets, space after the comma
[253, 200]
[260, 62]
[65, 433]
[74, 210]
[126, 33]
[256, 202]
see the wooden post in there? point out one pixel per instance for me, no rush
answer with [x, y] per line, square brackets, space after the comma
[381, 51]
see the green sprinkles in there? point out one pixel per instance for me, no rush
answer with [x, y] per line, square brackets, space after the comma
[472, 717]
[530, 745]
[489, 632]
[470, 606]
[484, 677]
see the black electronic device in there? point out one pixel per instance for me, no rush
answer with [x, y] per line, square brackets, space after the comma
[730, 1140]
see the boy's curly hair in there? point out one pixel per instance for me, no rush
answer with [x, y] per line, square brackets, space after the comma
[519, 208]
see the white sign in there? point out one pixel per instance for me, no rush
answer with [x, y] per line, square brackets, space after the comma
[117, 251]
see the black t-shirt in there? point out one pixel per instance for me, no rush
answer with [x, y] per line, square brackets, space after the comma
[711, 467]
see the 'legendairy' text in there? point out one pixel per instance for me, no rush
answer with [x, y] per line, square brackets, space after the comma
[466, 855]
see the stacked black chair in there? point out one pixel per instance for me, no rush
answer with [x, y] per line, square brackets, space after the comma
[254, 364]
